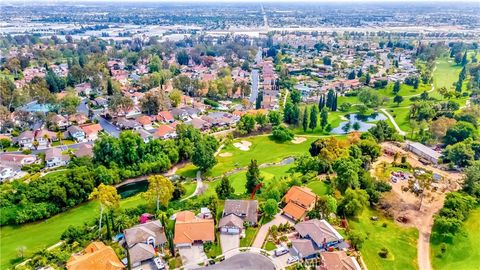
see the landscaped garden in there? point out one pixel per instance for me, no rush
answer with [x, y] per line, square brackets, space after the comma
[400, 242]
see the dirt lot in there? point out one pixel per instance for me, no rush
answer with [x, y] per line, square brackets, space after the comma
[407, 208]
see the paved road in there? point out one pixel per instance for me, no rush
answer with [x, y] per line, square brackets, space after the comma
[254, 91]
[108, 127]
[246, 260]
[263, 232]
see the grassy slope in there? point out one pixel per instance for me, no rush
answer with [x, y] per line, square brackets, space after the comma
[42, 234]
[464, 253]
[400, 241]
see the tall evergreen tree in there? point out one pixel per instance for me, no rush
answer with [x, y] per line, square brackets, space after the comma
[330, 99]
[305, 119]
[367, 79]
[109, 87]
[464, 59]
[253, 176]
[396, 87]
[335, 103]
[313, 117]
[323, 117]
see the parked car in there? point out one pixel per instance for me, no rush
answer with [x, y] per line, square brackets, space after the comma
[292, 259]
[281, 251]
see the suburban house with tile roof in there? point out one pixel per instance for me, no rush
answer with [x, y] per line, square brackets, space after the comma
[142, 239]
[298, 200]
[165, 132]
[190, 229]
[320, 233]
[338, 260]
[91, 131]
[97, 255]
[55, 158]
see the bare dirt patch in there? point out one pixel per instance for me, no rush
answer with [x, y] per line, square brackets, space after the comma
[298, 140]
[226, 154]
[243, 145]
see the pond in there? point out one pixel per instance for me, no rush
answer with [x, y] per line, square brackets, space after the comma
[362, 120]
[131, 189]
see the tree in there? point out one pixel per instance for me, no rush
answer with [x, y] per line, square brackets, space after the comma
[246, 124]
[460, 154]
[182, 58]
[356, 239]
[323, 118]
[347, 173]
[313, 117]
[369, 97]
[330, 99]
[160, 190]
[270, 208]
[281, 133]
[398, 99]
[324, 206]
[204, 156]
[464, 59]
[353, 202]
[108, 198]
[351, 75]
[261, 119]
[253, 176]
[382, 131]
[155, 101]
[274, 117]
[396, 87]
[109, 87]
[295, 96]
[224, 189]
[471, 183]
[119, 104]
[70, 102]
[175, 97]
[367, 79]
[459, 132]
[305, 119]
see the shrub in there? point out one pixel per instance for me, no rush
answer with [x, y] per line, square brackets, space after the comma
[281, 133]
[383, 253]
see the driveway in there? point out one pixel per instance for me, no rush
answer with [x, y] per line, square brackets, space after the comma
[229, 241]
[192, 256]
[263, 232]
[244, 261]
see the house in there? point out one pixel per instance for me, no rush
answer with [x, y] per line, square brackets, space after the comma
[78, 118]
[304, 248]
[76, 133]
[125, 123]
[198, 123]
[17, 160]
[165, 132]
[91, 131]
[320, 233]
[231, 224]
[83, 88]
[221, 119]
[44, 137]
[141, 241]
[145, 121]
[85, 150]
[165, 117]
[6, 172]
[97, 255]
[60, 121]
[424, 151]
[190, 229]
[179, 114]
[26, 139]
[247, 210]
[146, 136]
[338, 260]
[54, 158]
[298, 200]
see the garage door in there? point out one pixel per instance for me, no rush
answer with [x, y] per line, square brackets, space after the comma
[233, 230]
[224, 229]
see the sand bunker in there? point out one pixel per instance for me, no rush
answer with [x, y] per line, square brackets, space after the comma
[243, 145]
[298, 140]
[226, 154]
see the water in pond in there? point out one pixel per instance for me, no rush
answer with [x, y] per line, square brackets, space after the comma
[362, 120]
[131, 189]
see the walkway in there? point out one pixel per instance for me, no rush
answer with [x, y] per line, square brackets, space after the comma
[399, 130]
[263, 231]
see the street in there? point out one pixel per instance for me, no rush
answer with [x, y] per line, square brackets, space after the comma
[254, 93]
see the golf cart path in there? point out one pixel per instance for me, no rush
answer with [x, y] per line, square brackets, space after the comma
[399, 130]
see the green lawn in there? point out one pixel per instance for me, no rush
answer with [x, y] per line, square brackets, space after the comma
[189, 188]
[238, 180]
[263, 149]
[446, 73]
[401, 242]
[269, 245]
[334, 119]
[318, 187]
[250, 234]
[464, 251]
[42, 234]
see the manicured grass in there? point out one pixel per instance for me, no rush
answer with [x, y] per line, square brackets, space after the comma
[464, 250]
[189, 188]
[269, 245]
[42, 234]
[250, 234]
[334, 119]
[263, 149]
[318, 187]
[401, 116]
[401, 242]
[446, 73]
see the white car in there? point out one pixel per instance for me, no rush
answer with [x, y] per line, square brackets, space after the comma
[292, 259]
[159, 263]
